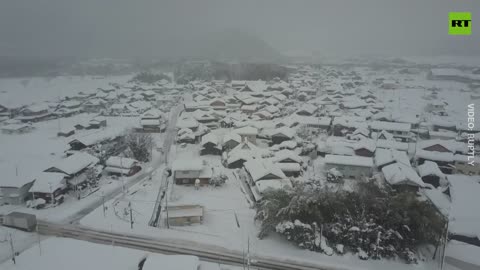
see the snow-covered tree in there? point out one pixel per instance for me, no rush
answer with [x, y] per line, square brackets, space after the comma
[139, 145]
[334, 176]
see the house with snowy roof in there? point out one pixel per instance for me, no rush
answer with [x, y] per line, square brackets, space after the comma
[230, 141]
[151, 120]
[350, 166]
[365, 148]
[464, 222]
[400, 131]
[49, 186]
[385, 157]
[307, 110]
[263, 175]
[186, 171]
[14, 184]
[73, 168]
[122, 166]
[443, 146]
[431, 174]
[210, 145]
[282, 134]
[444, 160]
[94, 105]
[34, 113]
[247, 133]
[243, 152]
[186, 135]
[187, 122]
[400, 175]
[344, 125]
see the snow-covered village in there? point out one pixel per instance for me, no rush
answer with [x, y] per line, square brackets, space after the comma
[209, 163]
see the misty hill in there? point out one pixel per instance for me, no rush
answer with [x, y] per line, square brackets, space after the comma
[234, 45]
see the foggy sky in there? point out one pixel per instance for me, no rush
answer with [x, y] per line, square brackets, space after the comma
[116, 28]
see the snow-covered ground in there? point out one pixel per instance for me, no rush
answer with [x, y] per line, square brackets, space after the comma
[15, 92]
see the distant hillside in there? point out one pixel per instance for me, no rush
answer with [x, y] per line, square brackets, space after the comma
[232, 45]
[238, 45]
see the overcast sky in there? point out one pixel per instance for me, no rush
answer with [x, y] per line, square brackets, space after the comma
[92, 28]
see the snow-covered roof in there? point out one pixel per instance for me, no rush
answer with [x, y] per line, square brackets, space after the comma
[209, 138]
[464, 192]
[402, 174]
[450, 145]
[13, 175]
[387, 144]
[48, 182]
[247, 130]
[289, 167]
[434, 155]
[150, 122]
[311, 120]
[365, 143]
[285, 131]
[187, 122]
[152, 113]
[386, 156]
[263, 170]
[430, 168]
[185, 164]
[390, 126]
[349, 160]
[73, 164]
[246, 151]
[286, 154]
[350, 121]
[121, 162]
[232, 137]
[308, 108]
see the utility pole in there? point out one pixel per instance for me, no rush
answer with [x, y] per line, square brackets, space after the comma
[51, 193]
[103, 204]
[166, 205]
[13, 250]
[123, 180]
[131, 216]
[39, 244]
[248, 253]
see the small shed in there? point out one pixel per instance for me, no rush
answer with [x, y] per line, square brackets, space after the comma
[182, 215]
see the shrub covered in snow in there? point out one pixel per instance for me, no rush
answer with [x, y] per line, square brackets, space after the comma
[373, 222]
[218, 180]
[334, 176]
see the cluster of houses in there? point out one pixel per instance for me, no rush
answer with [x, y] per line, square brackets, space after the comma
[131, 100]
[362, 138]
[269, 132]
[65, 175]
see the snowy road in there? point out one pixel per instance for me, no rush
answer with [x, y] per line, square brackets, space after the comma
[205, 253]
[167, 144]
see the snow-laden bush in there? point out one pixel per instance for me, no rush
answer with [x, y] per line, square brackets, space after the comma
[373, 222]
[334, 176]
[218, 180]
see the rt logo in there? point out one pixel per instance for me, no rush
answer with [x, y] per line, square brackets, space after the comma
[460, 23]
